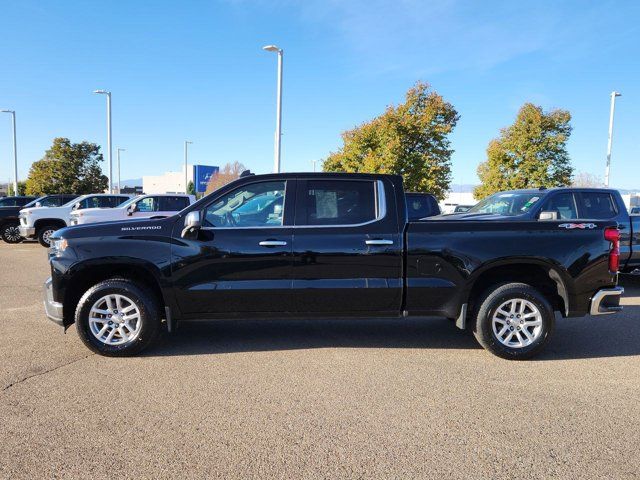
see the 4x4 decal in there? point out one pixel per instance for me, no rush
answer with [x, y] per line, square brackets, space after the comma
[581, 226]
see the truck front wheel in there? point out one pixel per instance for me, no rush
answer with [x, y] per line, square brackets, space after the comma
[513, 321]
[118, 318]
[44, 234]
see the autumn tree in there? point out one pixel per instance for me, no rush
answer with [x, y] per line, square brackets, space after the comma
[68, 168]
[410, 139]
[228, 173]
[530, 153]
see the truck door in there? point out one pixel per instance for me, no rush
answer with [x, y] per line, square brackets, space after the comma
[347, 248]
[241, 259]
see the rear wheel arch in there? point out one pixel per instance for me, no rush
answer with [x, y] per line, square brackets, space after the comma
[542, 276]
[87, 276]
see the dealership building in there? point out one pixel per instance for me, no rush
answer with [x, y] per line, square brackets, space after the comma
[173, 182]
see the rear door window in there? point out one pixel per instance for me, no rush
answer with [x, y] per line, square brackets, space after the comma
[338, 202]
[596, 205]
[173, 204]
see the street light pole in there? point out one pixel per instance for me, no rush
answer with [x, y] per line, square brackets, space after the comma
[118, 151]
[614, 94]
[186, 157]
[278, 135]
[109, 147]
[15, 151]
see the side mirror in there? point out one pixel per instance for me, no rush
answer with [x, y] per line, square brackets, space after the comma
[38, 204]
[192, 224]
[548, 216]
[131, 208]
[76, 206]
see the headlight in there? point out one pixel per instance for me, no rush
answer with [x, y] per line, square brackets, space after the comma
[58, 246]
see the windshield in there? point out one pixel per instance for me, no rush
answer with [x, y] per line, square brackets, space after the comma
[505, 203]
[75, 200]
[32, 203]
[129, 202]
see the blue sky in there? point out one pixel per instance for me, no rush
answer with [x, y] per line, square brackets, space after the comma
[195, 70]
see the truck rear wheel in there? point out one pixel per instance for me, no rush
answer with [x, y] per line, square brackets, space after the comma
[10, 233]
[118, 318]
[513, 321]
[44, 234]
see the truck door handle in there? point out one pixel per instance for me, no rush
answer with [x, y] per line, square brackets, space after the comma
[378, 241]
[272, 243]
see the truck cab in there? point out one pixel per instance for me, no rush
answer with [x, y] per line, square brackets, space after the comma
[41, 221]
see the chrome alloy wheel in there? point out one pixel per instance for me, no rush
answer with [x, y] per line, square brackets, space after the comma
[46, 236]
[517, 323]
[12, 233]
[115, 320]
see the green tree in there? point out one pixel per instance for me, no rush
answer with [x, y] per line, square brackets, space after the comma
[68, 168]
[531, 153]
[191, 188]
[410, 139]
[22, 189]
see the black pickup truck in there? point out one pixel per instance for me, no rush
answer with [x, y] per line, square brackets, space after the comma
[330, 245]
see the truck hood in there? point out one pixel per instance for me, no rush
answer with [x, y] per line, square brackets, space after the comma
[128, 228]
[95, 212]
[45, 210]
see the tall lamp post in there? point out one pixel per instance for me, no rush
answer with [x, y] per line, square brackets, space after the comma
[15, 151]
[186, 158]
[278, 138]
[614, 94]
[118, 150]
[109, 148]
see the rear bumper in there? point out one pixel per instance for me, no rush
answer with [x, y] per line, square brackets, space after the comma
[606, 301]
[52, 308]
[27, 232]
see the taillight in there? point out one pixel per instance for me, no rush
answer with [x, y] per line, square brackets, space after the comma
[612, 234]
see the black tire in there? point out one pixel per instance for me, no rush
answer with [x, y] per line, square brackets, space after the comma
[10, 234]
[144, 300]
[487, 307]
[44, 233]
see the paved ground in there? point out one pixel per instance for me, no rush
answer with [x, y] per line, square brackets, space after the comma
[313, 399]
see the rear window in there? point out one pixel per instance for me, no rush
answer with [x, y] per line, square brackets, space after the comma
[339, 202]
[596, 205]
[173, 204]
[421, 206]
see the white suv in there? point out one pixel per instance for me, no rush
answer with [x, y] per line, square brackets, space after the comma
[144, 206]
[41, 222]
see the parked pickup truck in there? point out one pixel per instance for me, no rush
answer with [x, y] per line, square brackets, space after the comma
[10, 215]
[41, 222]
[575, 208]
[143, 206]
[329, 245]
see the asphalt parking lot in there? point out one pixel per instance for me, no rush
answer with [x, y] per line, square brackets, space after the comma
[313, 399]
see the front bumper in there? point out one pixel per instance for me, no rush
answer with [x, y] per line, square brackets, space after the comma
[52, 308]
[27, 232]
[606, 301]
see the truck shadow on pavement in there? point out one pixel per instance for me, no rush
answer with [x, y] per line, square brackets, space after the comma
[574, 338]
[229, 336]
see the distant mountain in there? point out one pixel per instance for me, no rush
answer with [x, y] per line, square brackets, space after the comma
[133, 182]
